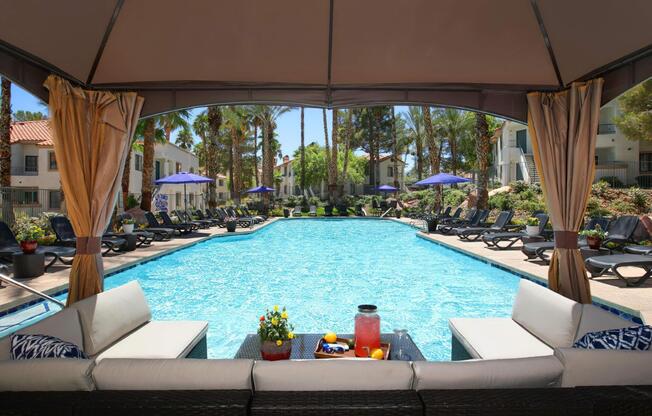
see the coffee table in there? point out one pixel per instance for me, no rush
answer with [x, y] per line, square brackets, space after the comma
[303, 347]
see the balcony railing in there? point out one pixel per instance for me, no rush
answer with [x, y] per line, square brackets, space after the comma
[606, 128]
[24, 171]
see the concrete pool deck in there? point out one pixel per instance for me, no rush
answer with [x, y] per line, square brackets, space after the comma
[607, 289]
[56, 280]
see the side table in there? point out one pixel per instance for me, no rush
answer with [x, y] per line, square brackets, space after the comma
[27, 266]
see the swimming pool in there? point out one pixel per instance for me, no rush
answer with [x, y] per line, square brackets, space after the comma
[321, 269]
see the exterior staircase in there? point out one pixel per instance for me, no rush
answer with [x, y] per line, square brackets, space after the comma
[531, 169]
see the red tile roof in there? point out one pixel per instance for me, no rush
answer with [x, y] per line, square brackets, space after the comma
[32, 132]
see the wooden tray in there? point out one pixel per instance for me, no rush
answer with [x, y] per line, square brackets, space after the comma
[319, 353]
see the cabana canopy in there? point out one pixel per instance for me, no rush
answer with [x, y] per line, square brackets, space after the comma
[477, 54]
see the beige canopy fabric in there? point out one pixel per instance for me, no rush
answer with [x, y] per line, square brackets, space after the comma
[91, 133]
[476, 54]
[563, 128]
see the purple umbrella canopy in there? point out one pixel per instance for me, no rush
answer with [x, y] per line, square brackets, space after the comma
[183, 177]
[386, 188]
[259, 190]
[442, 179]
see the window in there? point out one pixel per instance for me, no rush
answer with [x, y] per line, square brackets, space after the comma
[177, 167]
[521, 140]
[55, 199]
[390, 171]
[26, 196]
[220, 196]
[645, 162]
[221, 182]
[52, 161]
[179, 199]
[138, 162]
[31, 163]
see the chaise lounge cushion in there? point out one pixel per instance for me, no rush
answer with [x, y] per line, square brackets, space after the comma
[48, 374]
[181, 374]
[158, 339]
[335, 374]
[494, 338]
[604, 367]
[63, 325]
[110, 315]
[549, 316]
[531, 372]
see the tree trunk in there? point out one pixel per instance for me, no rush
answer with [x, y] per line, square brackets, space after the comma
[347, 149]
[303, 157]
[332, 186]
[214, 115]
[148, 164]
[327, 150]
[256, 152]
[483, 148]
[378, 114]
[433, 150]
[5, 152]
[372, 153]
[419, 149]
[125, 180]
[268, 158]
[236, 175]
[395, 151]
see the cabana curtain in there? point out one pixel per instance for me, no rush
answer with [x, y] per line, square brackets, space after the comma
[91, 132]
[563, 128]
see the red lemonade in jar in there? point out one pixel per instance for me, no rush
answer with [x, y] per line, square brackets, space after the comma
[367, 330]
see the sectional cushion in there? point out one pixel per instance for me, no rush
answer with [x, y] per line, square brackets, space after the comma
[494, 338]
[531, 372]
[110, 315]
[550, 316]
[597, 319]
[335, 374]
[180, 374]
[158, 339]
[63, 325]
[48, 374]
[604, 367]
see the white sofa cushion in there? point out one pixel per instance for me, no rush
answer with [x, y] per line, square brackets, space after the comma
[63, 325]
[548, 315]
[604, 367]
[530, 372]
[110, 315]
[49, 374]
[158, 339]
[335, 374]
[181, 374]
[494, 338]
[596, 319]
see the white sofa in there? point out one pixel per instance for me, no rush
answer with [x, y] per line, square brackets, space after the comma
[113, 324]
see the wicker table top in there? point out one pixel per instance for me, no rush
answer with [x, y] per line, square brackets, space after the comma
[303, 347]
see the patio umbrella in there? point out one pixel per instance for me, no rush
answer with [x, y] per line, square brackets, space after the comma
[386, 188]
[442, 179]
[259, 190]
[184, 178]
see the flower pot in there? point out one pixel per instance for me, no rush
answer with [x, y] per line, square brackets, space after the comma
[532, 230]
[286, 212]
[28, 247]
[272, 352]
[594, 242]
[328, 210]
[127, 228]
[432, 224]
[230, 226]
[398, 213]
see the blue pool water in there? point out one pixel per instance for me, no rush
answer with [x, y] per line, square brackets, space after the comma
[321, 270]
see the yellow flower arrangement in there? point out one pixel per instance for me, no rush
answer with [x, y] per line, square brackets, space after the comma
[284, 315]
[274, 326]
[279, 343]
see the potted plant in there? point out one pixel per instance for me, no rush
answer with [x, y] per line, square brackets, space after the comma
[328, 210]
[594, 237]
[231, 223]
[432, 221]
[286, 212]
[128, 225]
[532, 226]
[399, 210]
[27, 235]
[275, 334]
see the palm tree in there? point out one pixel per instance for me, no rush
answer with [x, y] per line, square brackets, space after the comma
[348, 136]
[214, 123]
[201, 129]
[434, 150]
[454, 125]
[254, 123]
[172, 121]
[303, 158]
[236, 122]
[332, 164]
[151, 134]
[394, 149]
[5, 150]
[414, 119]
[184, 137]
[327, 151]
[126, 173]
[483, 149]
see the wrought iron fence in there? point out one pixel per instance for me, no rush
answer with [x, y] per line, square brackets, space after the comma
[15, 201]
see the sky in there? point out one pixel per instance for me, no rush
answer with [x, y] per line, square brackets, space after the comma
[288, 125]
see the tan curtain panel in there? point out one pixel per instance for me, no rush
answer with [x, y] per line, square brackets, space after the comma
[91, 133]
[563, 127]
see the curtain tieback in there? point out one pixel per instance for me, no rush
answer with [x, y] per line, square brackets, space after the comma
[566, 239]
[88, 245]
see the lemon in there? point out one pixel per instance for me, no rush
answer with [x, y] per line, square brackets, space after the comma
[330, 337]
[377, 354]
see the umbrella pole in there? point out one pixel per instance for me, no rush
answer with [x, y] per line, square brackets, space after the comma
[185, 198]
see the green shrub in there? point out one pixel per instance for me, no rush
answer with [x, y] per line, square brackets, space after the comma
[454, 197]
[623, 207]
[519, 186]
[639, 198]
[276, 212]
[292, 201]
[613, 181]
[593, 208]
[132, 202]
[530, 205]
[600, 188]
[503, 201]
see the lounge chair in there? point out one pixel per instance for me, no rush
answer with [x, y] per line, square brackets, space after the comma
[313, 211]
[539, 250]
[186, 218]
[599, 265]
[9, 246]
[249, 214]
[181, 227]
[143, 238]
[244, 222]
[242, 214]
[474, 233]
[452, 218]
[66, 235]
[160, 233]
[621, 230]
[296, 212]
[448, 224]
[214, 221]
[505, 240]
[643, 250]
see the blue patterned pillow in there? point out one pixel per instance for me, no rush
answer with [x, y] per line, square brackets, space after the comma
[24, 347]
[632, 338]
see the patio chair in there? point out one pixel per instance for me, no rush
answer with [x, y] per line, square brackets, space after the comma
[66, 235]
[505, 240]
[244, 222]
[186, 218]
[448, 224]
[452, 218]
[160, 233]
[214, 221]
[143, 238]
[643, 250]
[249, 214]
[621, 230]
[599, 265]
[474, 233]
[181, 227]
[9, 246]
[296, 212]
[539, 250]
[242, 214]
[313, 211]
